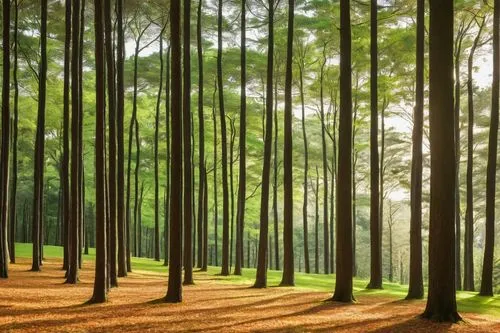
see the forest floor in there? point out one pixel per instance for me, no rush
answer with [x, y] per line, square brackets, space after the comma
[41, 302]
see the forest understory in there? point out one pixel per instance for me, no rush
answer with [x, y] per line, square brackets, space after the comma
[41, 302]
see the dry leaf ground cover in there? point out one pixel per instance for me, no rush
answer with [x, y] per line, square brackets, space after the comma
[41, 302]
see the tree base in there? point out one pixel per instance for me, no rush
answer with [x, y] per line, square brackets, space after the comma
[343, 298]
[451, 317]
[259, 285]
[372, 285]
[173, 299]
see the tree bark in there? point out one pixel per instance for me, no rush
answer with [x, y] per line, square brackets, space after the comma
[13, 193]
[168, 162]
[120, 109]
[201, 139]
[469, 211]
[240, 213]
[111, 85]
[487, 274]
[72, 273]
[101, 48]
[174, 291]
[225, 190]
[261, 276]
[39, 145]
[375, 223]
[343, 284]
[157, 130]
[416, 285]
[288, 278]
[326, 247]
[4, 172]
[186, 130]
[306, 169]
[441, 301]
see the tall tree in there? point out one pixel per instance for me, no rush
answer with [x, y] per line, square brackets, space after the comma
[306, 160]
[120, 107]
[225, 188]
[316, 223]
[326, 247]
[469, 210]
[134, 124]
[441, 301]
[240, 213]
[343, 277]
[174, 291]
[487, 274]
[416, 285]
[101, 48]
[66, 197]
[15, 129]
[167, 134]
[201, 138]
[111, 242]
[288, 256]
[275, 176]
[40, 144]
[261, 276]
[216, 203]
[375, 223]
[137, 197]
[186, 131]
[157, 134]
[73, 241]
[4, 172]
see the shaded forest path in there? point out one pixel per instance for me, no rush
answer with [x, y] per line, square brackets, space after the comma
[40, 302]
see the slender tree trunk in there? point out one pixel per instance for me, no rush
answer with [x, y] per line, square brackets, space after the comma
[157, 130]
[225, 190]
[316, 224]
[232, 135]
[13, 193]
[174, 291]
[306, 170]
[186, 130]
[66, 134]
[39, 144]
[137, 244]
[73, 241]
[4, 174]
[216, 207]
[441, 301]
[343, 284]
[168, 162]
[120, 107]
[240, 213]
[133, 122]
[416, 285]
[101, 48]
[326, 247]
[469, 212]
[81, 184]
[275, 177]
[111, 85]
[201, 139]
[375, 223]
[487, 274]
[205, 223]
[261, 277]
[288, 278]
[333, 182]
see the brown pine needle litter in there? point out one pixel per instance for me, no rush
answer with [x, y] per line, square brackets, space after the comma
[41, 302]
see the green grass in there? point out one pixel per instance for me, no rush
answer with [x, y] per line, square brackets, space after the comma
[467, 301]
